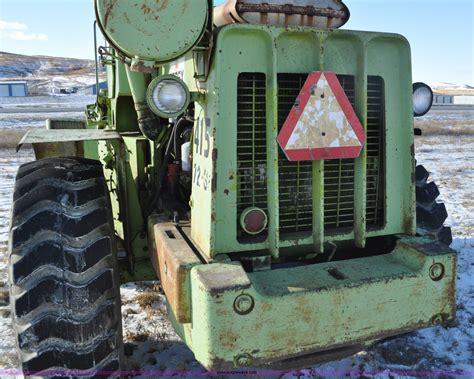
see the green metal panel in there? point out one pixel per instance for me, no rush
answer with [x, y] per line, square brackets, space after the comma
[117, 80]
[124, 168]
[271, 52]
[313, 308]
[205, 174]
[124, 116]
[135, 30]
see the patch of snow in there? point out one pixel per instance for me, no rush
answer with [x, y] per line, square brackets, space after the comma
[155, 348]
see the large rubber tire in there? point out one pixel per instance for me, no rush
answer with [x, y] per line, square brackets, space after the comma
[64, 284]
[431, 214]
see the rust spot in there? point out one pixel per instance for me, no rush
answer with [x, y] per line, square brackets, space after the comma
[173, 260]
[214, 183]
[451, 293]
[213, 217]
[109, 8]
[139, 66]
[290, 9]
[164, 4]
[146, 9]
[226, 191]
[229, 340]
[214, 155]
[127, 18]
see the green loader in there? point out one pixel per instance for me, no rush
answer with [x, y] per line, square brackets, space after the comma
[259, 162]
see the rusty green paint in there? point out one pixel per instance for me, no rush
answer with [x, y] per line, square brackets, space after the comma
[135, 29]
[318, 206]
[319, 307]
[272, 50]
[360, 190]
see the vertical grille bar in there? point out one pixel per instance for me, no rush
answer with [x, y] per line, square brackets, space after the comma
[360, 164]
[251, 146]
[375, 152]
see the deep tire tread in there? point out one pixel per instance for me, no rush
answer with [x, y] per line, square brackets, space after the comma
[63, 269]
[73, 175]
[430, 214]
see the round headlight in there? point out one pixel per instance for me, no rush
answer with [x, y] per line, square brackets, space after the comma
[422, 99]
[168, 96]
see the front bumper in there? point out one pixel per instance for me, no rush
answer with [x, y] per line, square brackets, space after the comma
[238, 319]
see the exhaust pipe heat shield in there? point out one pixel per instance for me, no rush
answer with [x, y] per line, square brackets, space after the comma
[311, 13]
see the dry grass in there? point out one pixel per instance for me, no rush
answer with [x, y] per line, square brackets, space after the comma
[446, 128]
[139, 337]
[147, 299]
[10, 137]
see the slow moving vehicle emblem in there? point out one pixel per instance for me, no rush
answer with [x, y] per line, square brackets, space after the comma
[322, 124]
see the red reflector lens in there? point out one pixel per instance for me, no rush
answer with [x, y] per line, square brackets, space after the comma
[253, 220]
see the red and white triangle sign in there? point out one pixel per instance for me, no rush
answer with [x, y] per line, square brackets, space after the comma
[322, 124]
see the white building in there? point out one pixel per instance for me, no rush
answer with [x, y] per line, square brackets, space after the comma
[13, 89]
[443, 99]
[463, 100]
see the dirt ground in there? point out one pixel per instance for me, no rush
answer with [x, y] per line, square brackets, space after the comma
[154, 346]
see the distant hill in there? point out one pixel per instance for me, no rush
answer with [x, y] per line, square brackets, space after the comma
[452, 89]
[47, 74]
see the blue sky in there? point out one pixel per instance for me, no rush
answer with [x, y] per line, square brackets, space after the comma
[441, 32]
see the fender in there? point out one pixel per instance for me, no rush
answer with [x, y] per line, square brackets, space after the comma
[64, 142]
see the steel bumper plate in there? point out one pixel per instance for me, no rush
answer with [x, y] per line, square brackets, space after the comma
[244, 319]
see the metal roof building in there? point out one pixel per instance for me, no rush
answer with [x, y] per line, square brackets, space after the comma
[92, 89]
[443, 99]
[14, 89]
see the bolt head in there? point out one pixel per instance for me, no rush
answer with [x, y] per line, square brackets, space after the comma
[437, 272]
[437, 320]
[244, 304]
[243, 360]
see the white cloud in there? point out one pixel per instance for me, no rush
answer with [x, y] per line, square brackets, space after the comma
[17, 32]
[22, 36]
[5, 25]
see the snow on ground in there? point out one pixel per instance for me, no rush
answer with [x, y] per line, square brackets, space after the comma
[53, 101]
[31, 112]
[439, 114]
[152, 345]
[9, 162]
[34, 120]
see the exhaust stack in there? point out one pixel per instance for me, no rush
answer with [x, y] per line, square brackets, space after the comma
[323, 14]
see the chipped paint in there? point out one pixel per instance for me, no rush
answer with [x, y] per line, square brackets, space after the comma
[329, 14]
[173, 260]
[134, 29]
[322, 124]
[394, 283]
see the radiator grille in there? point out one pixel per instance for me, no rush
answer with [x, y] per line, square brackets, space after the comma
[295, 178]
[339, 174]
[251, 144]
